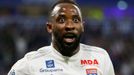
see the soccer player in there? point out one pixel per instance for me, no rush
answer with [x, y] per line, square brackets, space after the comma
[66, 55]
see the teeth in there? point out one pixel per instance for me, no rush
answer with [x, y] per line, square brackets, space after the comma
[69, 40]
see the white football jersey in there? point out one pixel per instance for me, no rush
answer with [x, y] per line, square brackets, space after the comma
[89, 60]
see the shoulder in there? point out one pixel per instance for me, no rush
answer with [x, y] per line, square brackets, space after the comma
[93, 49]
[43, 51]
[22, 65]
[31, 56]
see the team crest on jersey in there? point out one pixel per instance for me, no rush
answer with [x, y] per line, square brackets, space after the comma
[50, 64]
[92, 71]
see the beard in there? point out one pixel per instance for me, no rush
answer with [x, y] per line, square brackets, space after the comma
[65, 48]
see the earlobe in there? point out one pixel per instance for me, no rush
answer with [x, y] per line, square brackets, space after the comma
[49, 27]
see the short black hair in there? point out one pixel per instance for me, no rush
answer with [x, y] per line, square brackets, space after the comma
[59, 2]
[64, 1]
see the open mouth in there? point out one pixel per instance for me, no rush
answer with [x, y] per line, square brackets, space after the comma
[69, 38]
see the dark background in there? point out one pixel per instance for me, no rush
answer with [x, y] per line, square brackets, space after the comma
[108, 24]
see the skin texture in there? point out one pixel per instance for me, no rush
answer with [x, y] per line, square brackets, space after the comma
[66, 26]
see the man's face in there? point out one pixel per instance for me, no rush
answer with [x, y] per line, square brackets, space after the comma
[67, 26]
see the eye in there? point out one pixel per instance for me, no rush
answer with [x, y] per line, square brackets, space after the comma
[76, 20]
[61, 20]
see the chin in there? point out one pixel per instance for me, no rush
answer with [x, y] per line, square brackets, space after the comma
[68, 49]
[70, 46]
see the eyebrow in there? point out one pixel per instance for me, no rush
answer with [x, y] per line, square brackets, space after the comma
[61, 15]
[77, 16]
[64, 16]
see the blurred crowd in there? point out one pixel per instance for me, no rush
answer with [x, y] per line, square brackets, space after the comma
[23, 29]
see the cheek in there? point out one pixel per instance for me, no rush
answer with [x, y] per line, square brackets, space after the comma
[80, 28]
[58, 29]
[56, 33]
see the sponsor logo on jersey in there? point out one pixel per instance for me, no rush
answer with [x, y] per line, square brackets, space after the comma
[50, 64]
[50, 67]
[92, 71]
[89, 62]
[50, 70]
[12, 72]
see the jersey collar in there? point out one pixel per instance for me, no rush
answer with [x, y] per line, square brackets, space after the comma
[59, 56]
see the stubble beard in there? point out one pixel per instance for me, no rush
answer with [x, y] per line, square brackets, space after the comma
[66, 49]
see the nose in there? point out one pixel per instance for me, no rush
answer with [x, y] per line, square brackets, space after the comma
[69, 26]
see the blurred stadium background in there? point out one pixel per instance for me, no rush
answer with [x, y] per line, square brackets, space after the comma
[108, 24]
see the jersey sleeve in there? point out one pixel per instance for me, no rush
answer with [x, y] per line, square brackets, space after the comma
[108, 66]
[21, 67]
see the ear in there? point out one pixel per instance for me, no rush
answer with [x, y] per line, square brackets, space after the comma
[49, 27]
[83, 22]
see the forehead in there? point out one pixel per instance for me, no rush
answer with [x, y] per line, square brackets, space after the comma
[67, 8]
